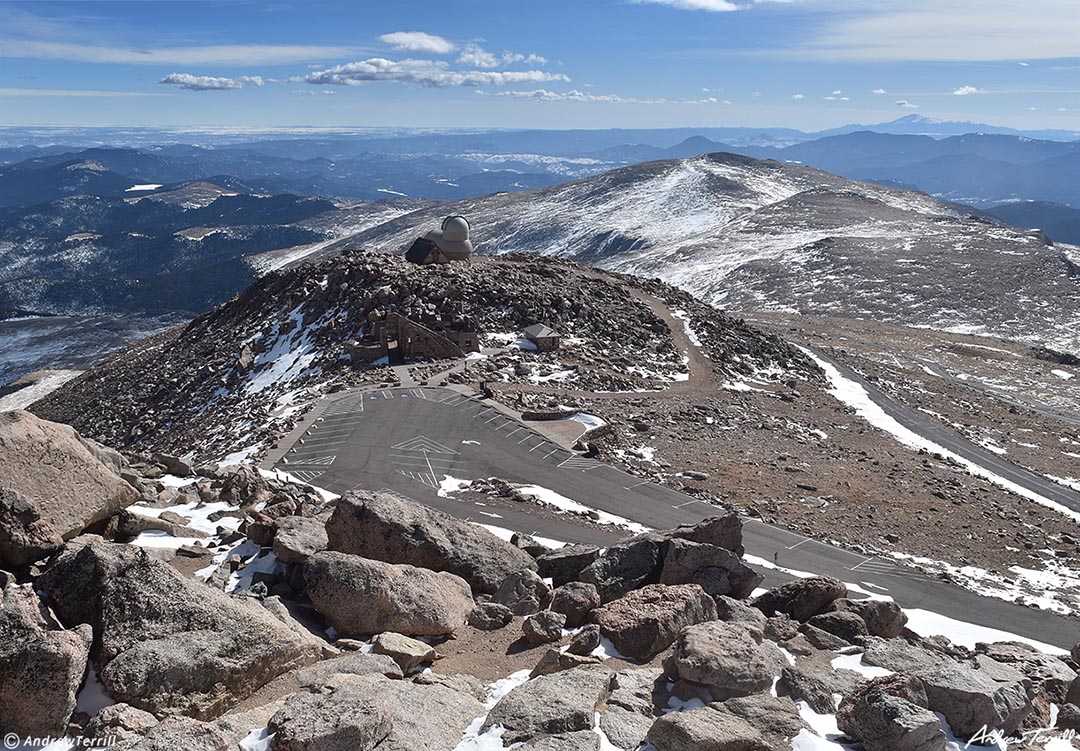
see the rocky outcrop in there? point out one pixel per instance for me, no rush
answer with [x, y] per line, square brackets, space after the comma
[489, 616]
[53, 484]
[297, 538]
[706, 729]
[883, 618]
[684, 555]
[41, 666]
[633, 705]
[971, 696]
[566, 563]
[358, 596]
[889, 714]
[165, 643]
[717, 570]
[328, 673]
[407, 653]
[120, 722]
[576, 601]
[726, 658]
[802, 598]
[393, 530]
[561, 702]
[178, 734]
[349, 719]
[543, 628]
[582, 740]
[645, 622]
[522, 591]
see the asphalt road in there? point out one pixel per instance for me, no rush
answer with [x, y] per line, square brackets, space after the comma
[934, 431]
[409, 440]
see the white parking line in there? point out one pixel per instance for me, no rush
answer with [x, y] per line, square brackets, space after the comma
[553, 451]
[534, 448]
[636, 485]
[861, 563]
[792, 547]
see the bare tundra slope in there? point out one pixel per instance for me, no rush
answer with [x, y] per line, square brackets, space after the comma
[761, 235]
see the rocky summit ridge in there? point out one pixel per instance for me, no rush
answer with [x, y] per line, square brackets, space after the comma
[237, 376]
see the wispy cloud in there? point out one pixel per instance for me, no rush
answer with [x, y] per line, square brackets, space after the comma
[418, 41]
[240, 55]
[73, 93]
[574, 95]
[715, 6]
[905, 104]
[476, 56]
[879, 91]
[798, 96]
[434, 73]
[965, 90]
[946, 30]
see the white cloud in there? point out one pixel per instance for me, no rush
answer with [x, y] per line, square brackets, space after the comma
[574, 95]
[798, 96]
[418, 41]
[946, 30]
[838, 92]
[233, 54]
[965, 90]
[476, 56]
[435, 73]
[257, 81]
[714, 6]
[906, 104]
[201, 83]
[879, 91]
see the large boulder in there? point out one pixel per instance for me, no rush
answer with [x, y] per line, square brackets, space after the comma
[178, 734]
[727, 658]
[349, 719]
[633, 705]
[624, 567]
[776, 718]
[565, 564]
[561, 702]
[410, 716]
[328, 673]
[802, 598]
[707, 729]
[699, 555]
[883, 618]
[717, 570]
[53, 484]
[543, 628]
[575, 600]
[388, 528]
[119, 722]
[522, 591]
[646, 622]
[582, 740]
[358, 596]
[889, 714]
[297, 538]
[970, 695]
[41, 666]
[1050, 675]
[407, 653]
[165, 643]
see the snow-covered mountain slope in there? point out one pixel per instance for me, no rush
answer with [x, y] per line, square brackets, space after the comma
[760, 235]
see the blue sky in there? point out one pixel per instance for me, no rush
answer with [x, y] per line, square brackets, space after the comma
[806, 64]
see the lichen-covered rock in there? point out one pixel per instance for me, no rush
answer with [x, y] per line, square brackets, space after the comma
[727, 658]
[802, 598]
[576, 601]
[645, 622]
[359, 596]
[561, 702]
[544, 627]
[41, 666]
[522, 591]
[165, 643]
[391, 529]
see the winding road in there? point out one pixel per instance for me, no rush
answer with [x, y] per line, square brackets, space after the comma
[411, 440]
